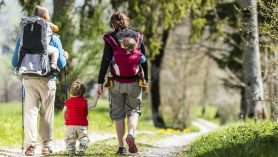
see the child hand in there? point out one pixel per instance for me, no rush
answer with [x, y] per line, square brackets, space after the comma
[94, 104]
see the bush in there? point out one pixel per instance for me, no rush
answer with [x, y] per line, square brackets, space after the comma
[247, 139]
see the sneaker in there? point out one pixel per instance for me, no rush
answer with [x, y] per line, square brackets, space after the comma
[131, 144]
[121, 151]
[47, 150]
[30, 151]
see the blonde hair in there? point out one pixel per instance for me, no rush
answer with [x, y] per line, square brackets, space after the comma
[41, 12]
[78, 89]
[128, 43]
[119, 21]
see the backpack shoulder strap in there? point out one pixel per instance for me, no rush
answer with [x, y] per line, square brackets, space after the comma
[110, 40]
[139, 38]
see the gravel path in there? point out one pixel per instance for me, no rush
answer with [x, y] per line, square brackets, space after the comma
[165, 147]
[169, 146]
[57, 146]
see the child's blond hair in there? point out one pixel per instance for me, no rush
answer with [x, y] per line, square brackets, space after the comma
[44, 13]
[78, 89]
[128, 43]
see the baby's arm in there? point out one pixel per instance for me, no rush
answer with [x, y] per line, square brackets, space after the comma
[64, 112]
[94, 104]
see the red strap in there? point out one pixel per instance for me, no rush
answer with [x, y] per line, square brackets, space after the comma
[138, 40]
[108, 38]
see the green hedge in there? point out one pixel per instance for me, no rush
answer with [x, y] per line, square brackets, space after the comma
[239, 140]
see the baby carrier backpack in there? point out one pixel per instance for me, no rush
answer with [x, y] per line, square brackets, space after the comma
[125, 64]
[33, 59]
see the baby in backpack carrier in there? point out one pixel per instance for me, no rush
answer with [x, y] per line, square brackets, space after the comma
[52, 28]
[129, 45]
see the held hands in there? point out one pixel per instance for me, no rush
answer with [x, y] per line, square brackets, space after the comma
[100, 89]
[97, 96]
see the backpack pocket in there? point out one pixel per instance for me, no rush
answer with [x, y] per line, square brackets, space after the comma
[34, 64]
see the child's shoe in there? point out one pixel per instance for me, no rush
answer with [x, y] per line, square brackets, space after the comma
[82, 149]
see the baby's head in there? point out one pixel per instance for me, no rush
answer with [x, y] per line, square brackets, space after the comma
[41, 12]
[128, 43]
[78, 89]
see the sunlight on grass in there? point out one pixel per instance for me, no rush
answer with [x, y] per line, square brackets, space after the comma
[239, 139]
[209, 115]
[99, 121]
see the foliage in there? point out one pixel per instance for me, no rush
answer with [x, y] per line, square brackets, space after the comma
[267, 17]
[243, 139]
[153, 16]
[29, 5]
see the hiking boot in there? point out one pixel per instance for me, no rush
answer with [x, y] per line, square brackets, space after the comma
[30, 151]
[131, 144]
[121, 151]
[46, 150]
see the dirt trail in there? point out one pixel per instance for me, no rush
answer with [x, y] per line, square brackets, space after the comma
[169, 146]
[164, 147]
[57, 146]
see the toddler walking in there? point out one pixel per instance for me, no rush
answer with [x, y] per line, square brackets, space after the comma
[75, 114]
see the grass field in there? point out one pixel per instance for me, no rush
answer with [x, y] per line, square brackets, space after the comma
[209, 114]
[99, 120]
[238, 140]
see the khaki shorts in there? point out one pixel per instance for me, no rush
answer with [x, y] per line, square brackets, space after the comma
[125, 100]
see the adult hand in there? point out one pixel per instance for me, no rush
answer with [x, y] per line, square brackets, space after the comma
[100, 89]
[66, 55]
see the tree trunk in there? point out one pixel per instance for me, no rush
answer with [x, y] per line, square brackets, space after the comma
[155, 80]
[251, 59]
[62, 16]
[243, 104]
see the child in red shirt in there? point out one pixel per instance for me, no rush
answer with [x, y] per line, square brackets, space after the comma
[75, 114]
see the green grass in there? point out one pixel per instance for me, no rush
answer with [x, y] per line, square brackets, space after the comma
[209, 114]
[99, 121]
[241, 139]
[10, 120]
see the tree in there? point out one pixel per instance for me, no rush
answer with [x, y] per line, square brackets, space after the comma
[251, 58]
[2, 3]
[29, 5]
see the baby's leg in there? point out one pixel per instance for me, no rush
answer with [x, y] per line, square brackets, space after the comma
[71, 139]
[83, 138]
[54, 53]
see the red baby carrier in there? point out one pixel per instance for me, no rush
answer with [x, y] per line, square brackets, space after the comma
[125, 64]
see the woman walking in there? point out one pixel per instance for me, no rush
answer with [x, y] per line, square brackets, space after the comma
[124, 57]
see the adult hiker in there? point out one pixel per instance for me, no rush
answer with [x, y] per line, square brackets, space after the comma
[126, 63]
[31, 59]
